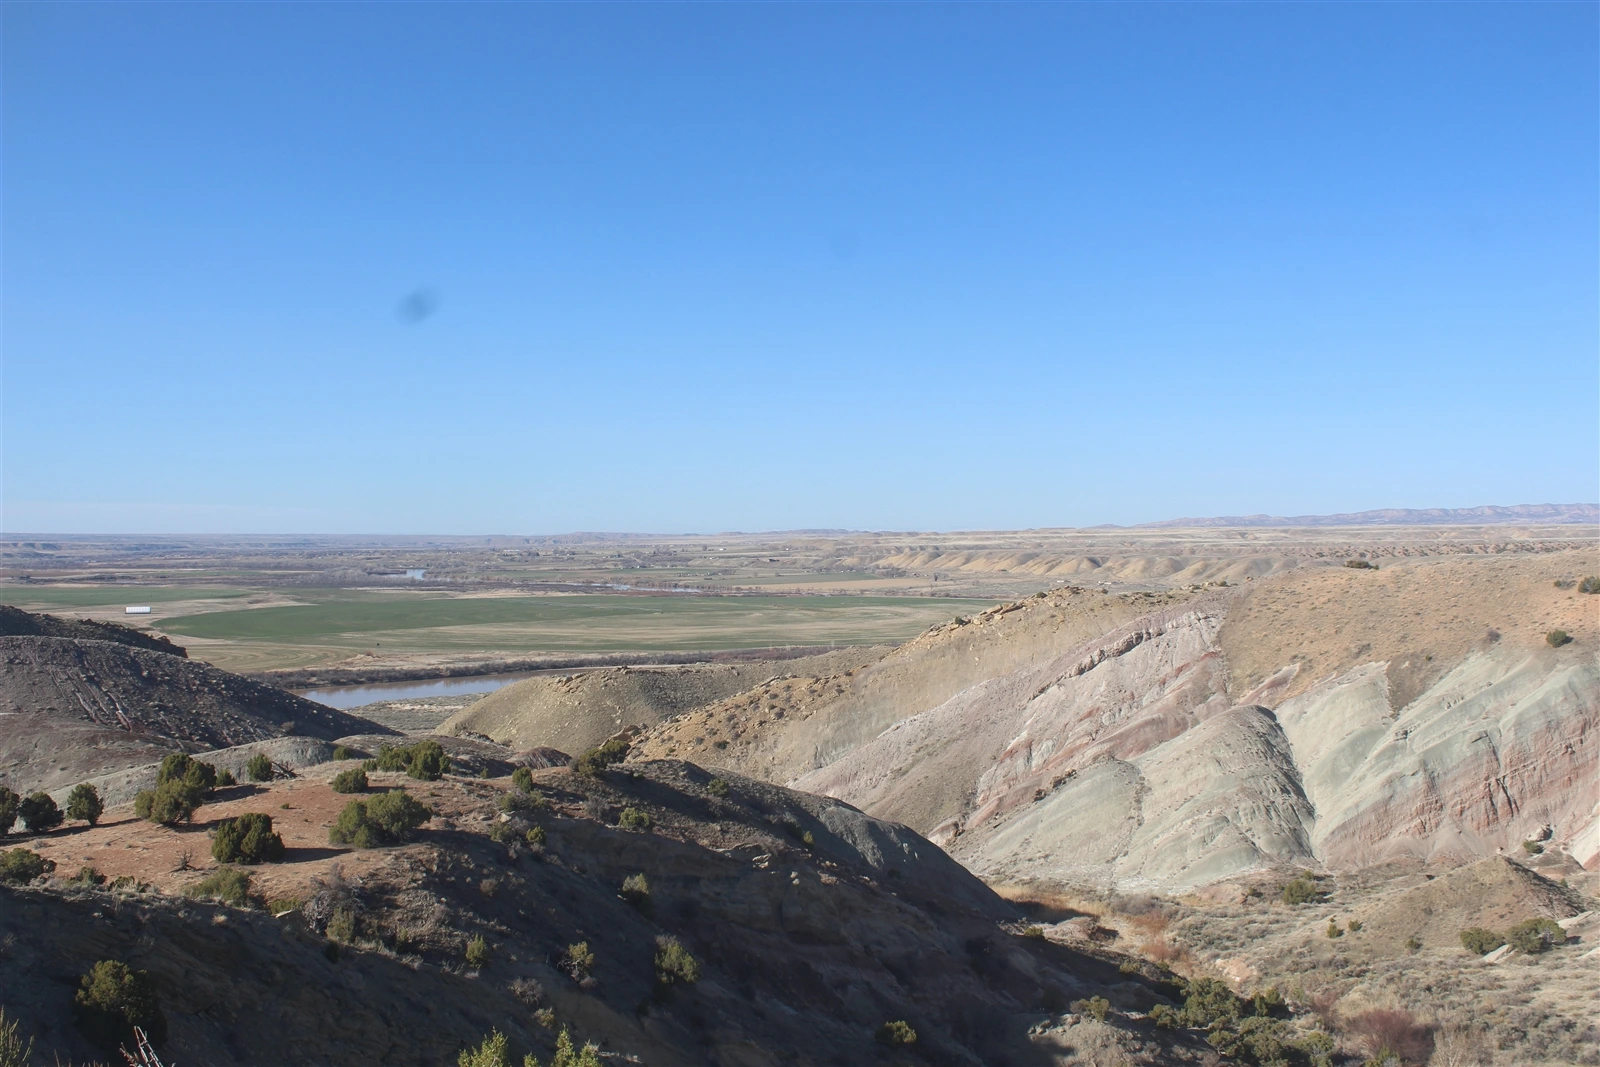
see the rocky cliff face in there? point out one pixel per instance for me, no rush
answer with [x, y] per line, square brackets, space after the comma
[1332, 716]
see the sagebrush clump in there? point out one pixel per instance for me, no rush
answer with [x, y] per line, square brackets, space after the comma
[227, 884]
[1301, 890]
[22, 866]
[386, 819]
[594, 762]
[634, 819]
[353, 780]
[247, 839]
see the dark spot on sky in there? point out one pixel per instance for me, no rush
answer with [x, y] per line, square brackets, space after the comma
[418, 305]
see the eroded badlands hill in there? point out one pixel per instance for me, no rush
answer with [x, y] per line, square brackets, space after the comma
[1330, 715]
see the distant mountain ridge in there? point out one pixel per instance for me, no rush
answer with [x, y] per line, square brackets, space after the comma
[1489, 514]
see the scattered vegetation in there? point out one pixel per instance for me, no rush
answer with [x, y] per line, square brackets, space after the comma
[1095, 1007]
[496, 1052]
[522, 780]
[385, 819]
[1534, 936]
[340, 752]
[227, 884]
[1557, 638]
[896, 1032]
[112, 999]
[9, 802]
[425, 761]
[88, 876]
[84, 805]
[674, 964]
[1589, 585]
[516, 801]
[636, 890]
[225, 778]
[247, 839]
[1355, 926]
[22, 865]
[1333, 929]
[169, 803]
[1413, 944]
[717, 787]
[1533, 848]
[477, 953]
[634, 819]
[39, 813]
[259, 769]
[1360, 564]
[13, 1053]
[353, 780]
[535, 835]
[1036, 932]
[594, 762]
[1479, 941]
[1301, 890]
[578, 961]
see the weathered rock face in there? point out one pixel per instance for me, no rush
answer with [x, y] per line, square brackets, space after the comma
[71, 710]
[1362, 729]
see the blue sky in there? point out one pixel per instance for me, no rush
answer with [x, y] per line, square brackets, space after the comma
[700, 268]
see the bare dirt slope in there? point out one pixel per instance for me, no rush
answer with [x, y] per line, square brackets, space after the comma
[575, 712]
[71, 710]
[1413, 711]
[805, 949]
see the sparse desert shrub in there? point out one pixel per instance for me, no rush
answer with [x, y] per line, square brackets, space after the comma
[516, 801]
[88, 876]
[1355, 926]
[247, 839]
[1533, 848]
[341, 926]
[1535, 935]
[281, 905]
[169, 803]
[567, 1055]
[1267, 1001]
[1333, 929]
[528, 991]
[1318, 1048]
[428, 761]
[23, 865]
[1480, 942]
[535, 835]
[259, 769]
[391, 758]
[594, 762]
[1382, 1031]
[1589, 585]
[634, 819]
[1036, 933]
[39, 813]
[1095, 1007]
[1208, 1001]
[179, 767]
[522, 780]
[896, 1032]
[9, 802]
[494, 1052]
[502, 833]
[225, 778]
[340, 752]
[717, 787]
[385, 819]
[545, 1017]
[1359, 565]
[13, 1053]
[1166, 1017]
[636, 890]
[227, 884]
[674, 963]
[1557, 638]
[1301, 890]
[83, 804]
[477, 953]
[353, 780]
[1413, 944]
[112, 999]
[578, 961]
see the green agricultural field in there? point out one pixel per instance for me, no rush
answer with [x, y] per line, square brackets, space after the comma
[56, 598]
[423, 622]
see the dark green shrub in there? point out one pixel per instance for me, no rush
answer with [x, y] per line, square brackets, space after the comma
[1355, 926]
[1095, 1007]
[341, 926]
[717, 787]
[340, 752]
[578, 961]
[477, 953]
[227, 884]
[1535, 936]
[494, 1052]
[1533, 848]
[1359, 565]
[169, 803]
[39, 813]
[522, 779]
[428, 761]
[567, 1055]
[1301, 890]
[112, 999]
[634, 819]
[1317, 1047]
[1333, 929]
[1480, 942]
[21, 865]
[385, 819]
[1557, 638]
[1208, 1001]
[535, 835]
[352, 781]
[247, 839]
[88, 876]
[636, 890]
[179, 767]
[593, 762]
[516, 801]
[9, 802]
[225, 778]
[1413, 944]
[673, 962]
[1267, 1001]
[1166, 1017]
[391, 758]
[83, 804]
[259, 769]
[896, 1032]
[1589, 585]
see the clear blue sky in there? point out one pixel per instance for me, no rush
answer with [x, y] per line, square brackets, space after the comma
[699, 268]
